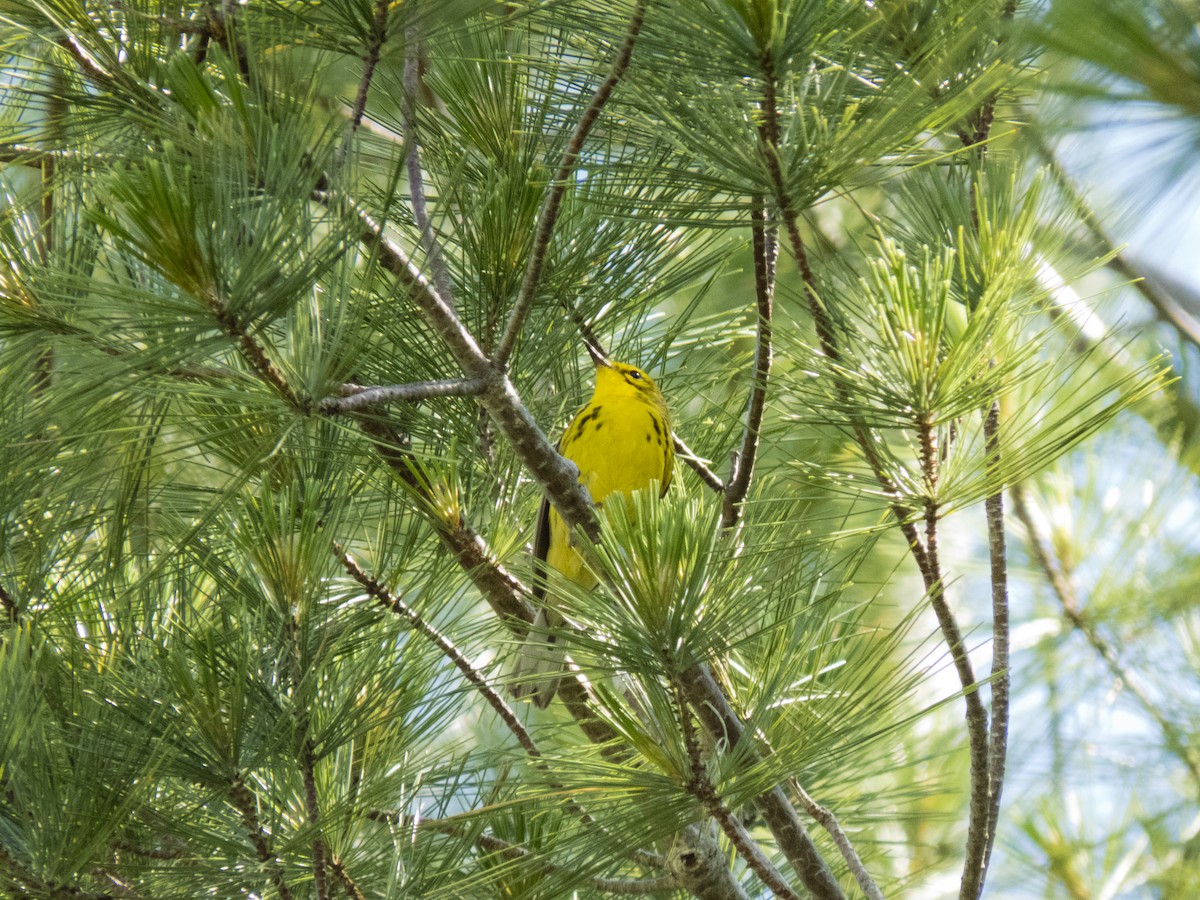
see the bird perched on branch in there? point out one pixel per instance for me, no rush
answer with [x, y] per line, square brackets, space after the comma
[621, 441]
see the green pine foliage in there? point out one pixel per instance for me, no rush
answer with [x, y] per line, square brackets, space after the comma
[257, 635]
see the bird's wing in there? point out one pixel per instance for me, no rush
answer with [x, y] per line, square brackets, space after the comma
[541, 546]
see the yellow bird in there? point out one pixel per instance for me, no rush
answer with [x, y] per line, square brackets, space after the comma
[622, 442]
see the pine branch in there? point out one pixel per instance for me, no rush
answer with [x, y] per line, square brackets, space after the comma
[722, 725]
[999, 682]
[474, 677]
[977, 859]
[977, 724]
[412, 149]
[827, 820]
[1042, 552]
[243, 801]
[352, 889]
[766, 250]
[375, 42]
[618, 886]
[548, 217]
[357, 397]
[253, 352]
[697, 465]
[700, 786]
[503, 592]
[499, 397]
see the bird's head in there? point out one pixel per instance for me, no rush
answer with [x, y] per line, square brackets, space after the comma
[616, 379]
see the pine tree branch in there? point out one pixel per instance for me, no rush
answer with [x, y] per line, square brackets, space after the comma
[412, 158]
[308, 764]
[823, 324]
[503, 592]
[243, 801]
[766, 250]
[827, 820]
[977, 724]
[375, 41]
[700, 786]
[1042, 552]
[253, 352]
[352, 889]
[697, 465]
[558, 477]
[977, 859]
[722, 725]
[1000, 676]
[548, 217]
[474, 677]
[618, 886]
[357, 397]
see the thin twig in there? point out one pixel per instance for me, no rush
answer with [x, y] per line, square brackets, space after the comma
[697, 465]
[977, 726]
[388, 600]
[700, 786]
[619, 886]
[1042, 552]
[548, 217]
[827, 820]
[766, 250]
[412, 154]
[375, 42]
[713, 710]
[999, 683]
[356, 397]
[244, 802]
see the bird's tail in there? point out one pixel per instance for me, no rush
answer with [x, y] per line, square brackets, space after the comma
[539, 666]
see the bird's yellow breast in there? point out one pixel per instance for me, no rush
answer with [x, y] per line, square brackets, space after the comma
[621, 442]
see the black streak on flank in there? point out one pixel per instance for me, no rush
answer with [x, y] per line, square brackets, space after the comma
[658, 430]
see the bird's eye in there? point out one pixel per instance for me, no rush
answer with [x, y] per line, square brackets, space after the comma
[636, 375]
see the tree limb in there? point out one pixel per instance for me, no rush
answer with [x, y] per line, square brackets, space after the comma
[243, 802]
[390, 601]
[548, 216]
[719, 720]
[375, 42]
[1042, 552]
[558, 477]
[357, 397]
[700, 786]
[766, 250]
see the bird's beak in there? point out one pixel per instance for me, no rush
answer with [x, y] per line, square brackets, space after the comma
[597, 355]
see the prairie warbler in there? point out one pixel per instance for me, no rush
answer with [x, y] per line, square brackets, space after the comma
[622, 442]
